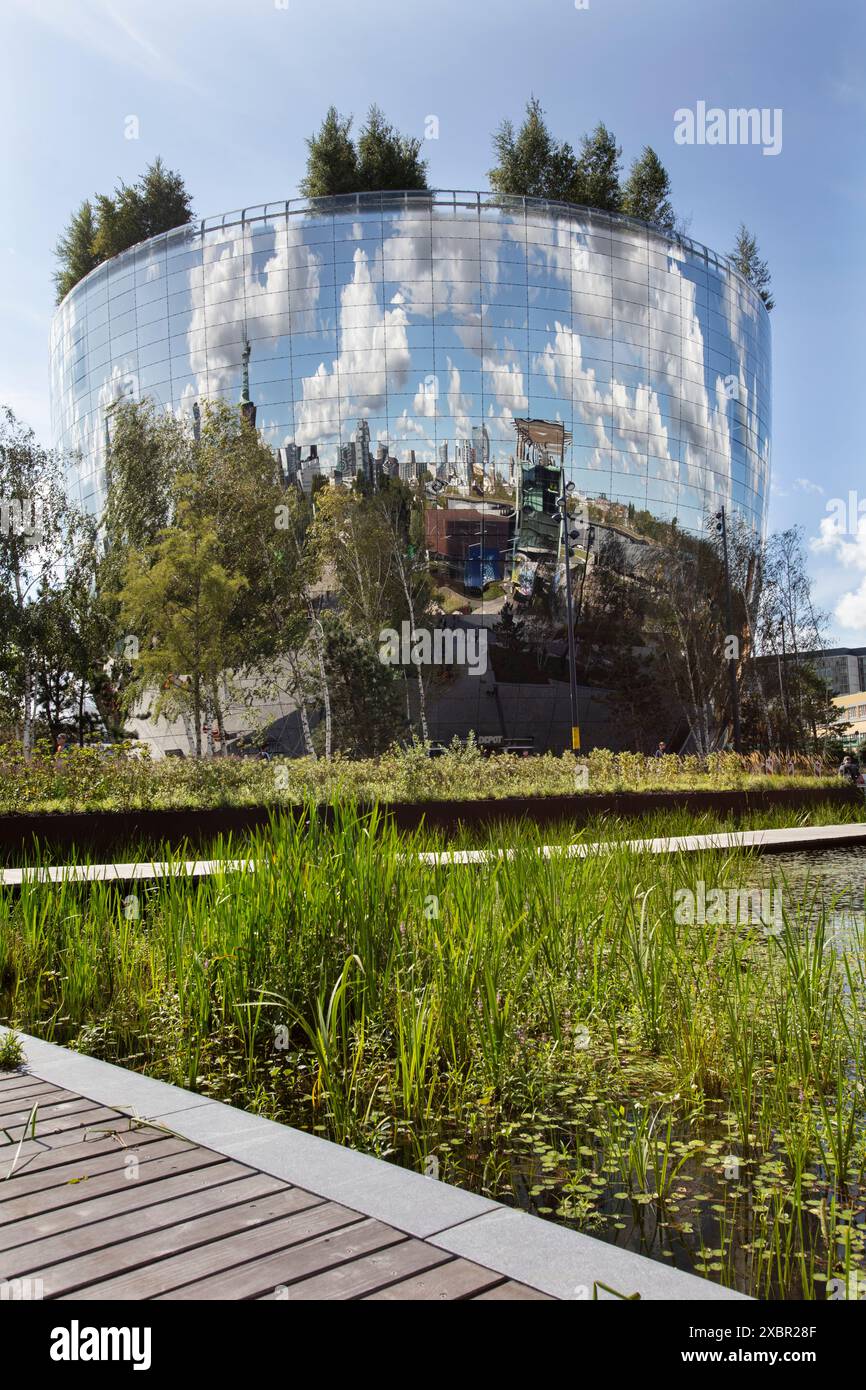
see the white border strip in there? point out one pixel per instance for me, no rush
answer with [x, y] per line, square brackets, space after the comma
[809, 838]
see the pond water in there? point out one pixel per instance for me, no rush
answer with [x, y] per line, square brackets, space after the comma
[835, 876]
[726, 1215]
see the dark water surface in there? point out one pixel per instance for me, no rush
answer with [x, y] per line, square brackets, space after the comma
[727, 1217]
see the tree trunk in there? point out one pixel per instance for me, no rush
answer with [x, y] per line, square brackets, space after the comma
[28, 702]
[319, 640]
[196, 711]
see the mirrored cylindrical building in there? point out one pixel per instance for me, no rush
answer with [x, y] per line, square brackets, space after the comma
[418, 329]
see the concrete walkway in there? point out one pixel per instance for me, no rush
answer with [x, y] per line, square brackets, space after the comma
[762, 841]
[462, 1245]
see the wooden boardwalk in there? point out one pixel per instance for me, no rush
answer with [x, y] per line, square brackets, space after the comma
[99, 1206]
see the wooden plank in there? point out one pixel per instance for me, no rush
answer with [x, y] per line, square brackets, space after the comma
[511, 1290]
[28, 1086]
[104, 1236]
[36, 1156]
[148, 1280]
[46, 1188]
[9, 1080]
[260, 1277]
[111, 1194]
[13, 1083]
[94, 1117]
[27, 1103]
[125, 1129]
[53, 1110]
[457, 1279]
[366, 1275]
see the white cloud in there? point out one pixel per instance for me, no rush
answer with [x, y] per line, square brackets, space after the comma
[847, 548]
[848, 551]
[850, 611]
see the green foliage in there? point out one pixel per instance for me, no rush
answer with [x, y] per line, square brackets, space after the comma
[158, 202]
[597, 177]
[11, 1052]
[530, 162]
[332, 160]
[365, 539]
[222, 495]
[750, 265]
[76, 250]
[387, 159]
[364, 694]
[178, 600]
[32, 547]
[382, 159]
[92, 779]
[646, 193]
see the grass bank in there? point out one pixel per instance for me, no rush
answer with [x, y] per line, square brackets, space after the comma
[90, 780]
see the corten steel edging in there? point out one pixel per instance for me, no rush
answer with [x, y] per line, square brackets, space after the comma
[85, 831]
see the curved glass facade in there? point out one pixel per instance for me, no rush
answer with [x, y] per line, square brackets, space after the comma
[421, 327]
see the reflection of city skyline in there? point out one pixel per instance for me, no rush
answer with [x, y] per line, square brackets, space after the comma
[438, 326]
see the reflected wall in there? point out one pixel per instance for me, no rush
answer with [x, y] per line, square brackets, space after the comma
[429, 316]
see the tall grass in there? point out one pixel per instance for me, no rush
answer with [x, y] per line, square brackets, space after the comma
[87, 779]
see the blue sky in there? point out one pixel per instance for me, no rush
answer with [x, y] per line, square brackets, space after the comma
[226, 90]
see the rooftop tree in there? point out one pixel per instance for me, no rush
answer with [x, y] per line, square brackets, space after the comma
[332, 160]
[646, 193]
[747, 261]
[158, 202]
[596, 183]
[387, 159]
[382, 158]
[75, 250]
[531, 162]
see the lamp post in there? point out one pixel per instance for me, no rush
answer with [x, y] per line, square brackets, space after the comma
[588, 544]
[562, 503]
[722, 530]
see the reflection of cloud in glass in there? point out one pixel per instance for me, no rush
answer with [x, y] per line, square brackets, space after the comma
[428, 321]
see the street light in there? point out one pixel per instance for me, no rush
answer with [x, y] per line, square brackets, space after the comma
[567, 537]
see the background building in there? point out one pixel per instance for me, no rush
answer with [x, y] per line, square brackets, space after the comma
[420, 318]
[853, 708]
[843, 668]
